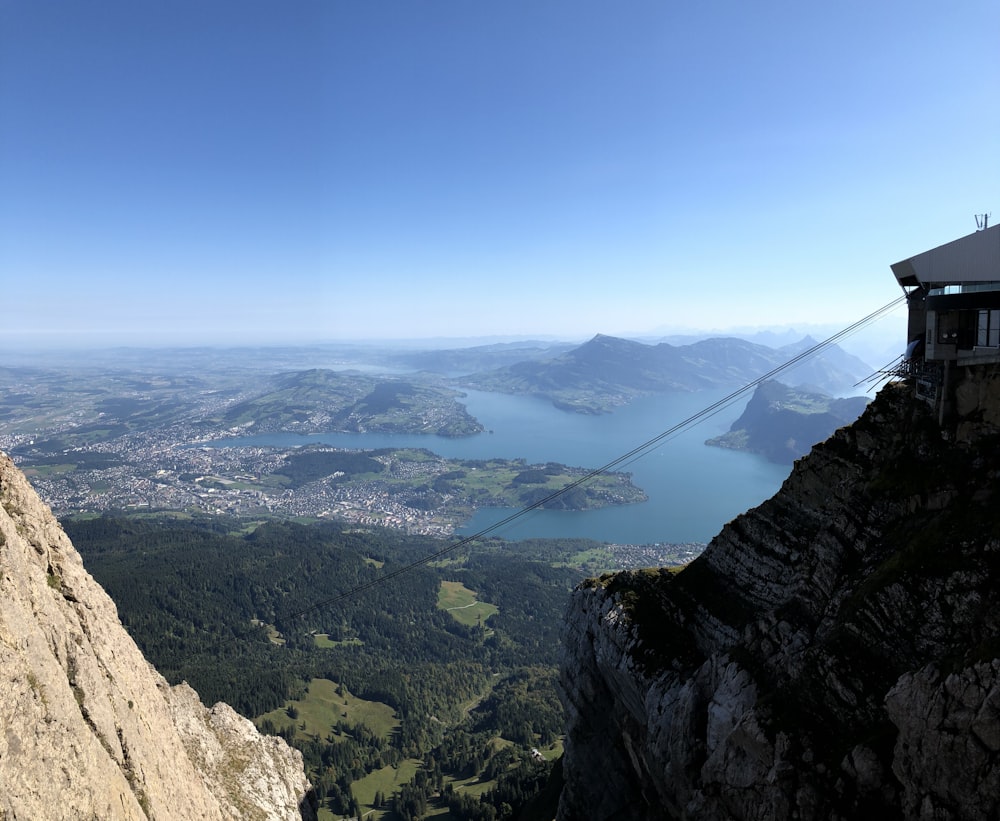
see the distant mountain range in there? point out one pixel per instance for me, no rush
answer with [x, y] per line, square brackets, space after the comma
[783, 423]
[475, 359]
[608, 371]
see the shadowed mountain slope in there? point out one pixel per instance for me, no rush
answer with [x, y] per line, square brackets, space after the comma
[833, 654]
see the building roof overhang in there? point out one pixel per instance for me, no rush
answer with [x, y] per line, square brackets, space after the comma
[972, 258]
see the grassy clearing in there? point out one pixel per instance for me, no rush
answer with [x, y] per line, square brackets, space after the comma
[454, 594]
[472, 786]
[324, 642]
[593, 561]
[553, 751]
[461, 603]
[448, 562]
[803, 403]
[387, 780]
[411, 455]
[49, 470]
[322, 707]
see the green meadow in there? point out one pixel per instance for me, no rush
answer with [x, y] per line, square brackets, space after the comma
[462, 604]
[323, 641]
[386, 781]
[326, 703]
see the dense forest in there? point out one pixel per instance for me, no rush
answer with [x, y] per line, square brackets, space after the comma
[251, 613]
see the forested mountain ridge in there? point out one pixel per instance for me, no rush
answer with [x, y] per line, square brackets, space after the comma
[608, 371]
[263, 614]
[783, 423]
[832, 654]
[320, 399]
[451, 361]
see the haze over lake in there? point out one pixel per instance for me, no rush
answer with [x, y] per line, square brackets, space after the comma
[693, 489]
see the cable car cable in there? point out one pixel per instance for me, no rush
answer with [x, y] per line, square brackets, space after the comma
[627, 458]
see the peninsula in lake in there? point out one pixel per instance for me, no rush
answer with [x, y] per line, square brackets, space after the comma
[132, 429]
[782, 423]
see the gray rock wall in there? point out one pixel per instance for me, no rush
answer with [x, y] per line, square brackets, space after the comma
[832, 654]
[88, 729]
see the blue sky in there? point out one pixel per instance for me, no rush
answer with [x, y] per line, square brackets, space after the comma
[193, 172]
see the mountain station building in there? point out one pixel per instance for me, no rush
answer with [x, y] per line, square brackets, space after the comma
[953, 294]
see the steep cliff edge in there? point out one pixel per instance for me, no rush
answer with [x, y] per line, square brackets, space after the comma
[88, 729]
[834, 653]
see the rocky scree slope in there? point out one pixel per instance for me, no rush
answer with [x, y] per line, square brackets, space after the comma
[88, 729]
[833, 654]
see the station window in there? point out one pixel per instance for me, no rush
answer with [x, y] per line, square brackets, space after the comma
[988, 329]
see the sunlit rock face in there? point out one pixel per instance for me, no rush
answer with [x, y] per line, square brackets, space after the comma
[832, 655]
[89, 729]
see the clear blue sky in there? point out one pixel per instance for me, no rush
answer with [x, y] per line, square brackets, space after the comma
[319, 170]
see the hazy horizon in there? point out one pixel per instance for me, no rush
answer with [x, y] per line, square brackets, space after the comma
[875, 344]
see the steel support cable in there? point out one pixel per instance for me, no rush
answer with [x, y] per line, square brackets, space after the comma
[646, 447]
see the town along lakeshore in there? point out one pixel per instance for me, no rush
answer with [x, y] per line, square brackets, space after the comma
[693, 489]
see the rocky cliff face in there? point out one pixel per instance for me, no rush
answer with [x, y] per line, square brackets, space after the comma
[834, 653]
[88, 729]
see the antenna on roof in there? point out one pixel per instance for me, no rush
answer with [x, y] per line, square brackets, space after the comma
[982, 221]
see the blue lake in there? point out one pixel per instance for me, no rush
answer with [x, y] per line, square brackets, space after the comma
[693, 489]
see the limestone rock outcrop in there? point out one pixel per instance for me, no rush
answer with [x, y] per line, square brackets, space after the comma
[833, 654]
[88, 728]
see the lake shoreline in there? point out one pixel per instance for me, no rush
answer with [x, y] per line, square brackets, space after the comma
[692, 489]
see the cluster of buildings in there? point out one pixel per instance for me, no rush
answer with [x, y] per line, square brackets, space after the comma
[149, 475]
[632, 556]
